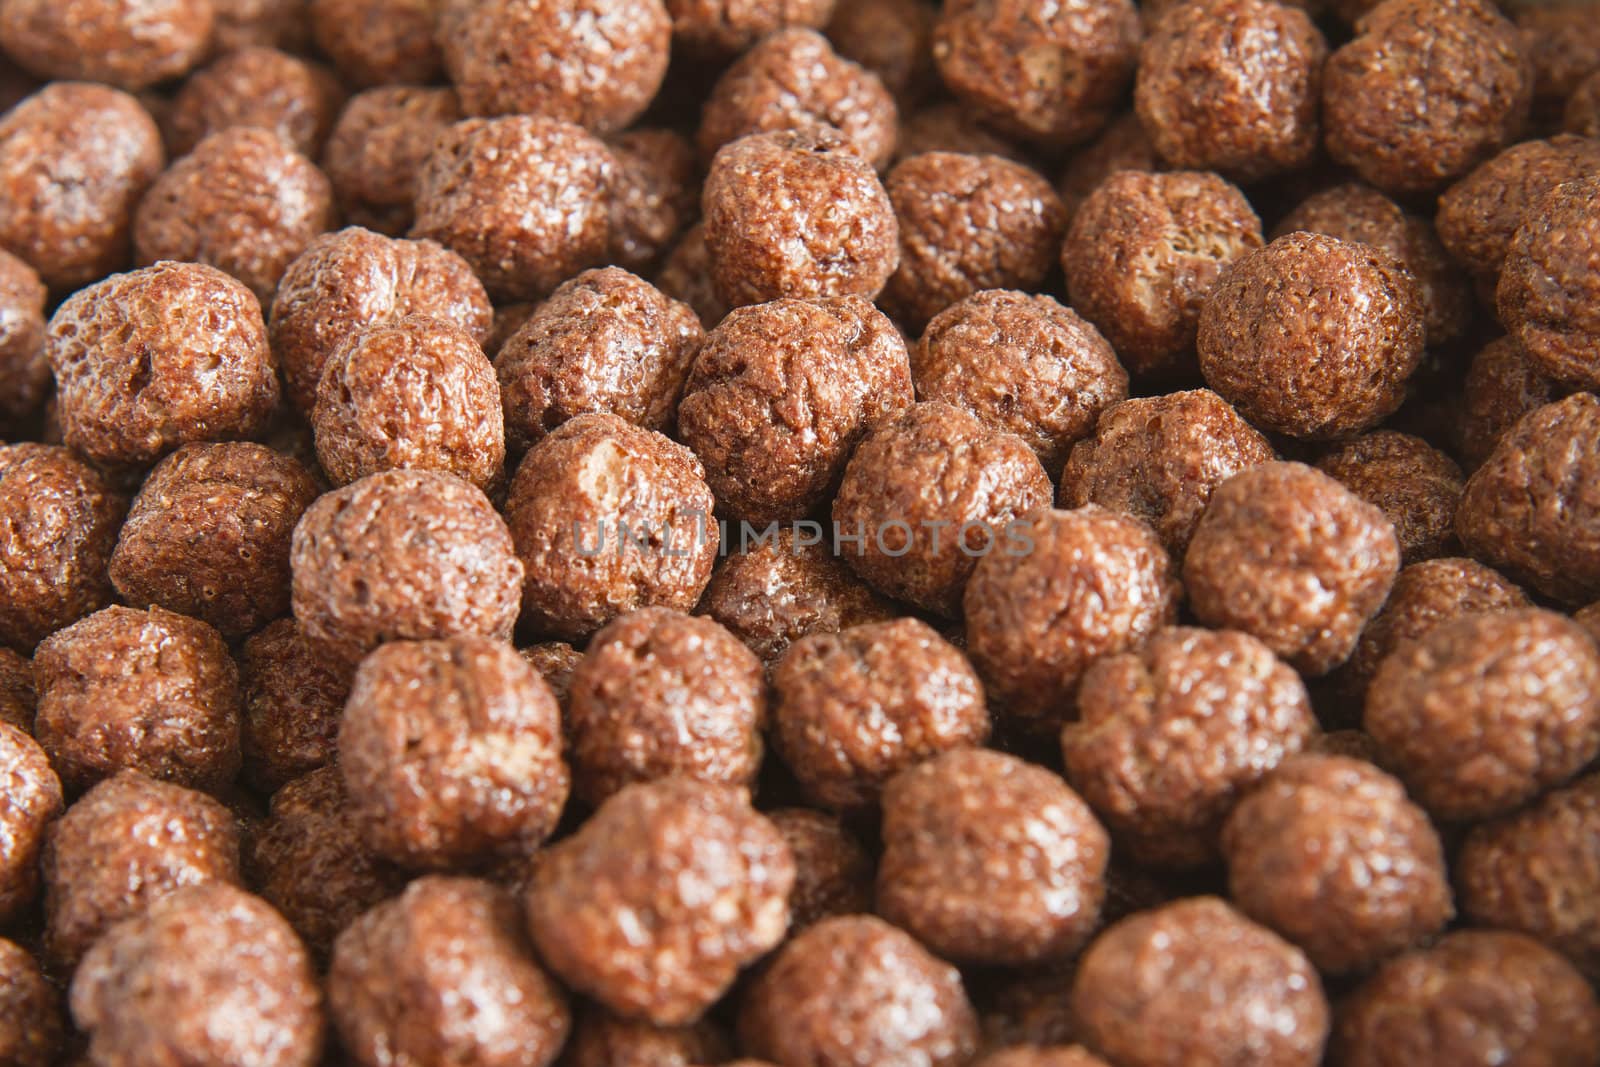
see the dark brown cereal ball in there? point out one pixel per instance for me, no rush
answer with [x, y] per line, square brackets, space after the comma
[655, 194]
[607, 518]
[1548, 297]
[797, 213]
[951, 127]
[267, 23]
[16, 691]
[208, 975]
[968, 223]
[728, 27]
[930, 493]
[1427, 90]
[107, 147]
[1081, 585]
[1416, 486]
[1312, 336]
[1145, 249]
[525, 200]
[1288, 555]
[132, 44]
[293, 701]
[1031, 1009]
[891, 38]
[1583, 108]
[1458, 718]
[780, 395]
[444, 973]
[1042, 1056]
[32, 801]
[157, 358]
[686, 276]
[208, 535]
[376, 149]
[451, 752]
[1123, 145]
[147, 691]
[378, 42]
[600, 1039]
[1035, 69]
[1169, 736]
[596, 63]
[126, 843]
[794, 79]
[24, 367]
[1160, 458]
[260, 87]
[833, 872]
[606, 341]
[664, 894]
[555, 661]
[1477, 998]
[1502, 385]
[402, 555]
[1528, 510]
[1196, 982]
[354, 278]
[31, 1034]
[990, 859]
[1562, 43]
[61, 520]
[852, 709]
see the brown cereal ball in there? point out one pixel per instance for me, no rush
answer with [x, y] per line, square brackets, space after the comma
[797, 213]
[1583, 108]
[890, 38]
[61, 520]
[606, 341]
[378, 146]
[1291, 557]
[444, 973]
[293, 701]
[1160, 458]
[950, 127]
[662, 896]
[1361, 214]
[968, 223]
[1503, 384]
[555, 662]
[1084, 584]
[311, 860]
[134, 690]
[1169, 736]
[833, 872]
[1196, 982]
[32, 801]
[525, 200]
[929, 494]
[126, 843]
[1427, 90]
[209, 975]
[1123, 145]
[655, 194]
[728, 27]
[686, 276]
[855, 990]
[30, 1011]
[793, 80]
[608, 518]
[1562, 43]
[267, 23]
[100, 142]
[354, 278]
[16, 691]
[780, 395]
[1477, 998]
[852, 709]
[1465, 729]
[451, 752]
[1042, 1056]
[208, 535]
[378, 42]
[990, 859]
[1312, 336]
[1416, 486]
[1145, 249]
[600, 1039]
[1548, 297]
[24, 367]
[260, 87]
[1038, 70]
[132, 44]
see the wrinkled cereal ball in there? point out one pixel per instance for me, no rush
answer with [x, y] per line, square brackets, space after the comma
[686, 276]
[655, 193]
[852, 709]
[260, 87]
[1503, 384]
[951, 127]
[293, 700]
[132, 44]
[1583, 108]
[378, 146]
[659, 932]
[854, 989]
[1416, 486]
[1548, 297]
[555, 662]
[1123, 145]
[32, 802]
[727, 27]
[24, 367]
[30, 1011]
[891, 38]
[1312, 336]
[833, 872]
[16, 691]
[378, 42]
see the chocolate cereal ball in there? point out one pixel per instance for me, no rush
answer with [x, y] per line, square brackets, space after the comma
[833, 872]
[891, 38]
[30, 1011]
[523, 199]
[125, 844]
[378, 146]
[1038, 70]
[1503, 384]
[990, 859]
[1562, 43]
[378, 42]
[852, 709]
[968, 223]
[1160, 458]
[662, 896]
[24, 367]
[451, 752]
[260, 87]
[61, 520]
[780, 395]
[1288, 555]
[1462, 725]
[16, 691]
[797, 213]
[951, 127]
[293, 701]
[32, 801]
[555, 662]
[600, 1039]
[929, 494]
[1084, 584]
[1416, 486]
[608, 518]
[1196, 982]
[209, 975]
[728, 27]
[132, 44]
[1547, 293]
[1145, 249]
[1312, 336]
[270, 23]
[444, 973]
[1427, 90]
[656, 192]
[101, 143]
[853, 990]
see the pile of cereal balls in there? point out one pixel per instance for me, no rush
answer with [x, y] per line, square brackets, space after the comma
[799, 533]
